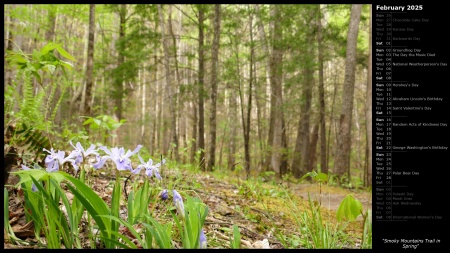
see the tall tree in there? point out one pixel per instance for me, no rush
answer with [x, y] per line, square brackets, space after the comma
[175, 90]
[169, 89]
[249, 105]
[302, 148]
[214, 67]
[265, 44]
[342, 160]
[201, 89]
[52, 11]
[323, 141]
[90, 61]
[368, 173]
[276, 72]
[118, 82]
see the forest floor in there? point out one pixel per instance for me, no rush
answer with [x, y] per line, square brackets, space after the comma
[261, 208]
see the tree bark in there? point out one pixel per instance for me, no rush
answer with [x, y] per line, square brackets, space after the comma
[322, 134]
[313, 147]
[50, 33]
[175, 90]
[201, 91]
[90, 61]
[268, 150]
[233, 112]
[120, 61]
[215, 59]
[169, 88]
[249, 105]
[277, 92]
[342, 161]
[300, 164]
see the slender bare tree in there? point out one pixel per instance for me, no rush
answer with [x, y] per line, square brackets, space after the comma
[342, 161]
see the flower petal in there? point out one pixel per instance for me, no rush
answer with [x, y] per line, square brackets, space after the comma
[91, 151]
[122, 164]
[203, 242]
[24, 167]
[140, 159]
[178, 202]
[100, 161]
[107, 151]
[129, 153]
[148, 172]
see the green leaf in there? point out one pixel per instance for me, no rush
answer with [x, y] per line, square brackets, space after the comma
[92, 202]
[129, 244]
[47, 48]
[64, 53]
[321, 177]
[236, 244]
[38, 77]
[115, 204]
[49, 68]
[66, 64]
[36, 55]
[160, 233]
[31, 67]
[350, 208]
[25, 175]
[143, 207]
[126, 224]
[97, 122]
[130, 207]
[88, 121]
[56, 214]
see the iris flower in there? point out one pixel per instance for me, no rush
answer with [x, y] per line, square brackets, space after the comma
[79, 153]
[118, 156]
[149, 167]
[164, 194]
[203, 243]
[178, 202]
[56, 159]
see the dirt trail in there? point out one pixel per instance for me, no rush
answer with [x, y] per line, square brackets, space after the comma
[331, 196]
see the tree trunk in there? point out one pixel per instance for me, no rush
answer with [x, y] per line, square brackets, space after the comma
[249, 106]
[201, 91]
[300, 162]
[214, 67]
[342, 161]
[50, 34]
[322, 134]
[233, 112]
[176, 127]
[313, 147]
[368, 178]
[169, 89]
[277, 92]
[119, 79]
[90, 61]
[268, 152]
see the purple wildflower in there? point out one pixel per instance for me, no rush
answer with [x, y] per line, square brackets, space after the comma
[178, 202]
[164, 194]
[79, 153]
[203, 242]
[149, 167]
[56, 159]
[118, 156]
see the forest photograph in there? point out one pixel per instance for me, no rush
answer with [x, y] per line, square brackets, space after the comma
[187, 126]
